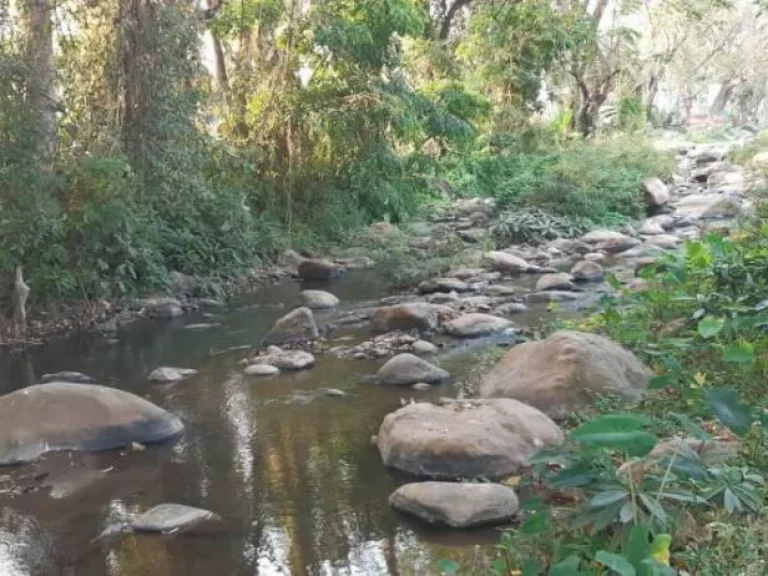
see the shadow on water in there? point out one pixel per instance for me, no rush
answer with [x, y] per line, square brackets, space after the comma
[292, 472]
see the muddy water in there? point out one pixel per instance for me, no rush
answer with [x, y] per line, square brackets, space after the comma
[292, 472]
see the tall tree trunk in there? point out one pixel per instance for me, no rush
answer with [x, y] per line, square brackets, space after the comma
[723, 97]
[445, 27]
[38, 52]
[219, 66]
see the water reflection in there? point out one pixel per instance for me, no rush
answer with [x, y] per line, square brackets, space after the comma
[301, 488]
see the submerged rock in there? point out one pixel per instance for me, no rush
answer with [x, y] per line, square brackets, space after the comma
[476, 325]
[170, 374]
[261, 370]
[465, 439]
[314, 270]
[172, 518]
[422, 347]
[412, 316]
[446, 285]
[68, 416]
[67, 376]
[296, 326]
[285, 359]
[406, 369]
[458, 505]
[565, 372]
[318, 299]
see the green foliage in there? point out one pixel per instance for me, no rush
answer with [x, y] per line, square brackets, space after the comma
[531, 225]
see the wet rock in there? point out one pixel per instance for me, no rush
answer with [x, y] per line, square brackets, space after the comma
[565, 372]
[655, 192]
[333, 392]
[406, 369]
[501, 290]
[68, 416]
[286, 359]
[261, 370]
[587, 271]
[507, 263]
[651, 227]
[67, 376]
[356, 263]
[318, 299]
[410, 316]
[510, 308]
[465, 273]
[169, 374]
[201, 326]
[421, 386]
[618, 245]
[571, 247]
[551, 296]
[709, 206]
[172, 518]
[317, 270]
[465, 439]
[424, 348]
[442, 298]
[296, 326]
[446, 285]
[380, 346]
[458, 505]
[476, 324]
[558, 281]
[151, 305]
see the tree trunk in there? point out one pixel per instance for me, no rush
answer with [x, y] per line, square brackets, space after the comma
[38, 52]
[219, 66]
[722, 98]
[445, 27]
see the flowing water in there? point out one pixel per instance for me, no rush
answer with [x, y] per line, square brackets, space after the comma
[292, 471]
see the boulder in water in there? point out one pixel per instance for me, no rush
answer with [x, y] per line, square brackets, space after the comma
[406, 369]
[172, 518]
[476, 324]
[458, 505]
[261, 370]
[507, 263]
[558, 281]
[317, 270]
[67, 376]
[296, 326]
[319, 299]
[170, 374]
[69, 416]
[587, 271]
[411, 316]
[465, 439]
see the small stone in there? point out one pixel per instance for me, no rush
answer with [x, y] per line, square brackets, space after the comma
[423, 348]
[170, 374]
[421, 386]
[406, 369]
[261, 370]
[137, 447]
[334, 392]
[558, 281]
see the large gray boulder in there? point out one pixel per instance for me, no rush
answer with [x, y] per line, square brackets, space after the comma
[565, 372]
[587, 271]
[507, 263]
[296, 326]
[476, 324]
[69, 416]
[655, 193]
[458, 505]
[555, 281]
[411, 316]
[465, 439]
[318, 299]
[406, 369]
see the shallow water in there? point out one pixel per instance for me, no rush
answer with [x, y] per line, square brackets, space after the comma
[293, 473]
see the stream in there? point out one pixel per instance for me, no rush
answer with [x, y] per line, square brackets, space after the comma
[293, 472]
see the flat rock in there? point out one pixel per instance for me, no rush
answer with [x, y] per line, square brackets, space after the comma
[170, 374]
[476, 324]
[651, 227]
[287, 359]
[587, 271]
[570, 247]
[551, 296]
[406, 369]
[261, 370]
[565, 372]
[174, 518]
[601, 236]
[317, 270]
[443, 285]
[465, 273]
[296, 326]
[557, 281]
[69, 416]
[465, 439]
[709, 206]
[410, 316]
[507, 263]
[67, 376]
[318, 299]
[442, 297]
[510, 308]
[458, 505]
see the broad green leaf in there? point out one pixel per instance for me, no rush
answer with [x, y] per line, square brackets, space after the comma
[608, 497]
[729, 409]
[574, 477]
[567, 567]
[617, 563]
[637, 544]
[619, 431]
[661, 381]
[731, 501]
[654, 507]
[532, 567]
[536, 524]
[710, 326]
[691, 427]
[448, 566]
[627, 513]
[655, 568]
[741, 354]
